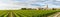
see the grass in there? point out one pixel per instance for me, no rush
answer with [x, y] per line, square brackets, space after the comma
[34, 13]
[28, 13]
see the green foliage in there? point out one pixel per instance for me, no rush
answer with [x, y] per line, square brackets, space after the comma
[34, 13]
[23, 8]
[28, 13]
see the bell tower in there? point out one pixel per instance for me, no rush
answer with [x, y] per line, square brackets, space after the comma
[46, 7]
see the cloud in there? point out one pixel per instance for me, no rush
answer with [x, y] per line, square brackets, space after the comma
[27, 3]
[51, 6]
[57, 0]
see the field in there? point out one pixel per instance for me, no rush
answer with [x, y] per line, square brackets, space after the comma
[27, 13]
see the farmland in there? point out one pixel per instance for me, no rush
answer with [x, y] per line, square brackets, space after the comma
[27, 13]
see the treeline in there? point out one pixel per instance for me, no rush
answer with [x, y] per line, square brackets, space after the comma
[38, 9]
[27, 9]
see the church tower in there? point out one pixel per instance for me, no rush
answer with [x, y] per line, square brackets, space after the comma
[46, 7]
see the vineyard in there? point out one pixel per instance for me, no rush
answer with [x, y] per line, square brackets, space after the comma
[26, 13]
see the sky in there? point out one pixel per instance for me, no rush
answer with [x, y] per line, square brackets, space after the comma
[16, 4]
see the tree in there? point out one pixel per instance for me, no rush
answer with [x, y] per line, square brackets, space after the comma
[23, 8]
[53, 8]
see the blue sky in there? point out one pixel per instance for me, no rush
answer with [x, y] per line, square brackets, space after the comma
[41, 3]
[28, 3]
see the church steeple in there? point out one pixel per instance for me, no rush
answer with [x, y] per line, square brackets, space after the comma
[46, 6]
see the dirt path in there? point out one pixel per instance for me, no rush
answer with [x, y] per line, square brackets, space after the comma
[55, 15]
[11, 14]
